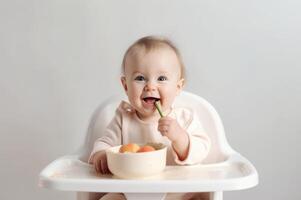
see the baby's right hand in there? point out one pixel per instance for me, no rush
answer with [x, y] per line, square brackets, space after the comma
[100, 162]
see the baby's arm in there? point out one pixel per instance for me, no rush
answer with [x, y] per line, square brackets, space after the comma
[112, 137]
[170, 128]
[190, 143]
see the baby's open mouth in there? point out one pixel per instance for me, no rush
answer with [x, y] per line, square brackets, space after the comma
[150, 100]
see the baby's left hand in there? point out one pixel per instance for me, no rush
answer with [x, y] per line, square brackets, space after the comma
[170, 128]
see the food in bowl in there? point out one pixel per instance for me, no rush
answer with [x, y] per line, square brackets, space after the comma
[129, 148]
[149, 160]
[146, 148]
[135, 148]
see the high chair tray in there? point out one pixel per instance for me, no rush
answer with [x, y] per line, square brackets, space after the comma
[71, 174]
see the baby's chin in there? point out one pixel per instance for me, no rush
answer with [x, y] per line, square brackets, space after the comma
[148, 112]
[151, 114]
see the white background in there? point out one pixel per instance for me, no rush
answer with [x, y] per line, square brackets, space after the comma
[59, 59]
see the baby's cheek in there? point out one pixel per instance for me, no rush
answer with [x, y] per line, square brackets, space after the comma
[169, 97]
[134, 91]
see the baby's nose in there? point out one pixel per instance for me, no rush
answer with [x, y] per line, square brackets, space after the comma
[150, 87]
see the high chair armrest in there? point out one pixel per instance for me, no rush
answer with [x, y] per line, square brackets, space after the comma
[245, 166]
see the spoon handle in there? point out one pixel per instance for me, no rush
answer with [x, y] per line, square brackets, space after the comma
[158, 108]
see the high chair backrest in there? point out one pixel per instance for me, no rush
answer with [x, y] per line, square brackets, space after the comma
[208, 116]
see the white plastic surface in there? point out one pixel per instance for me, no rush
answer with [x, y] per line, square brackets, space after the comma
[69, 173]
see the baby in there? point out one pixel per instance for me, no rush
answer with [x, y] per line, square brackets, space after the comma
[153, 71]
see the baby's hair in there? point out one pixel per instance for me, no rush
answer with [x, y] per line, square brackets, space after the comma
[149, 43]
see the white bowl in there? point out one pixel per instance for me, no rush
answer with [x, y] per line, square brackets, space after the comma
[135, 165]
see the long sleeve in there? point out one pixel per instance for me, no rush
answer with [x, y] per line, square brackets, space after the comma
[199, 142]
[111, 137]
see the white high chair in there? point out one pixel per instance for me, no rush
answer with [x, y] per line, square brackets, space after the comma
[224, 169]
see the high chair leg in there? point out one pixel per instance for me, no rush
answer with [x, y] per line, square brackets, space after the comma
[145, 196]
[216, 195]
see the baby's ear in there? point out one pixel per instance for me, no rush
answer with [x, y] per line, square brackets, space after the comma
[180, 85]
[123, 81]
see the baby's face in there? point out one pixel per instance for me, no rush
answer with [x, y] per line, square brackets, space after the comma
[152, 76]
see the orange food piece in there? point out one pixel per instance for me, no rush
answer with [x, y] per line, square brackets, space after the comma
[131, 148]
[146, 148]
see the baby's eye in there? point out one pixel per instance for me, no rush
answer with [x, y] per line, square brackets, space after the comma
[162, 78]
[139, 78]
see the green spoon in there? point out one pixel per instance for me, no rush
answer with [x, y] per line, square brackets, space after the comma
[157, 104]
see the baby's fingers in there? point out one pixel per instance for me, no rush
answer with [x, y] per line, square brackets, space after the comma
[101, 167]
[165, 121]
[163, 129]
[104, 167]
[97, 166]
